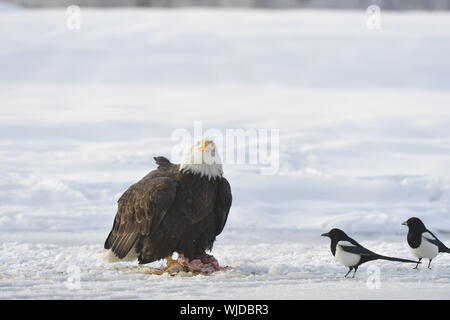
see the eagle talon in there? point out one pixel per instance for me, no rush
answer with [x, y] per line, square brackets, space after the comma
[174, 269]
[172, 266]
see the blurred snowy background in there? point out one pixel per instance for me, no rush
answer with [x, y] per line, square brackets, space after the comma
[272, 4]
[364, 118]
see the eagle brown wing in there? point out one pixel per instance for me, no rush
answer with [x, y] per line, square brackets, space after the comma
[140, 211]
[223, 204]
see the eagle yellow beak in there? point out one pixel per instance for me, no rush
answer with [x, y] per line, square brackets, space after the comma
[205, 143]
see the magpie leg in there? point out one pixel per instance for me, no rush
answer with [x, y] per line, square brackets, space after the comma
[417, 265]
[429, 264]
[356, 269]
[349, 270]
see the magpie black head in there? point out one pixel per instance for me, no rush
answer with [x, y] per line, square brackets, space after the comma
[336, 235]
[415, 223]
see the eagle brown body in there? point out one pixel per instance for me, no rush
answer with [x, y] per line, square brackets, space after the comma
[170, 211]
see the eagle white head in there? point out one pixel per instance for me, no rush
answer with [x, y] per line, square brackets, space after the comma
[202, 158]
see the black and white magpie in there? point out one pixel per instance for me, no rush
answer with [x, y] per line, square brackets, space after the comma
[351, 254]
[422, 242]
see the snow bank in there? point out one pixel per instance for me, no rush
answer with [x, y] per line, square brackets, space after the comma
[64, 166]
[363, 115]
[322, 49]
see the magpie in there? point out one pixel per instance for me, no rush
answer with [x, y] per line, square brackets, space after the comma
[350, 253]
[422, 242]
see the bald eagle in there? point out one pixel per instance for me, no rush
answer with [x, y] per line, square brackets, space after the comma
[175, 208]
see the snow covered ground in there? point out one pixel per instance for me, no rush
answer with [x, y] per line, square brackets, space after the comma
[364, 144]
[300, 266]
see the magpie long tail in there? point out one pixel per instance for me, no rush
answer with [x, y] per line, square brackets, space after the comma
[395, 259]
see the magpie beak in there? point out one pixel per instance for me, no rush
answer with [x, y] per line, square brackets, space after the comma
[325, 235]
[405, 223]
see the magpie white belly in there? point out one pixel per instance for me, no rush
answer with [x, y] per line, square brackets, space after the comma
[345, 258]
[425, 250]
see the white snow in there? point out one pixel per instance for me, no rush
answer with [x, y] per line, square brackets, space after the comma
[301, 268]
[364, 143]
